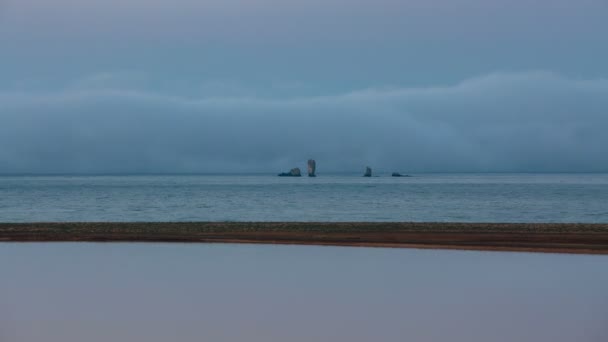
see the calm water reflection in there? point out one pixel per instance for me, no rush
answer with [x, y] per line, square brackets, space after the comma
[202, 292]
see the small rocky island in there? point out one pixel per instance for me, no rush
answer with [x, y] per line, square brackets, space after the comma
[397, 174]
[312, 168]
[295, 172]
[368, 172]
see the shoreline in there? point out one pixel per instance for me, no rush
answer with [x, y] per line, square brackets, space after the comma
[522, 237]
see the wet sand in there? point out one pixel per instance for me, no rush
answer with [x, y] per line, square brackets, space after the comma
[546, 237]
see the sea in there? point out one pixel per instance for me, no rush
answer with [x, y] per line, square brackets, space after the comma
[490, 197]
[148, 292]
[97, 292]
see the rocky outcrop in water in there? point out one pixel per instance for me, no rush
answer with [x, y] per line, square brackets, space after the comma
[397, 174]
[295, 172]
[368, 172]
[312, 168]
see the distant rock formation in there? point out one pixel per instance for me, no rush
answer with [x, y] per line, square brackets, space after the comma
[397, 174]
[312, 167]
[368, 172]
[295, 172]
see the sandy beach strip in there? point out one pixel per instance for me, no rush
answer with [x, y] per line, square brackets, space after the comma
[532, 237]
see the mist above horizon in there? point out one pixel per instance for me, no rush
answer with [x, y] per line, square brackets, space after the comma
[261, 86]
[502, 122]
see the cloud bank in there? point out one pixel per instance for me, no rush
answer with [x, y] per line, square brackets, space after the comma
[500, 122]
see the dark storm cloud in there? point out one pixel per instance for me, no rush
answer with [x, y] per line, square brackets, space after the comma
[535, 121]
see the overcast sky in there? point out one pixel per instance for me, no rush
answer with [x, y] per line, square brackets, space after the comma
[263, 85]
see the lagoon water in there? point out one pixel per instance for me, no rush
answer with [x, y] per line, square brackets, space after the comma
[72, 292]
[335, 197]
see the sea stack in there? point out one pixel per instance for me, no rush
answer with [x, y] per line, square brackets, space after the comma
[295, 172]
[312, 167]
[368, 172]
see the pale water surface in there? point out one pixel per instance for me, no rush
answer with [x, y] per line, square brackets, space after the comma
[338, 197]
[73, 292]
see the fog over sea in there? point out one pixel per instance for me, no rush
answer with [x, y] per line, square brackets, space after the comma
[328, 197]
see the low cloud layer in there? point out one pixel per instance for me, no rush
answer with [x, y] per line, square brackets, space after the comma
[513, 122]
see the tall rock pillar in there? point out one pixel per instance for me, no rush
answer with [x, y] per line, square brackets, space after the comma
[312, 168]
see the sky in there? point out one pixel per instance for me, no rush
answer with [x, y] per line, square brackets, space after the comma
[129, 86]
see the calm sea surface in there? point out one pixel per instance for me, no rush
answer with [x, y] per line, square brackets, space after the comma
[73, 292]
[426, 197]
[68, 292]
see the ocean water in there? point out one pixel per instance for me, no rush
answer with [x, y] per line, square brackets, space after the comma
[336, 197]
[73, 292]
